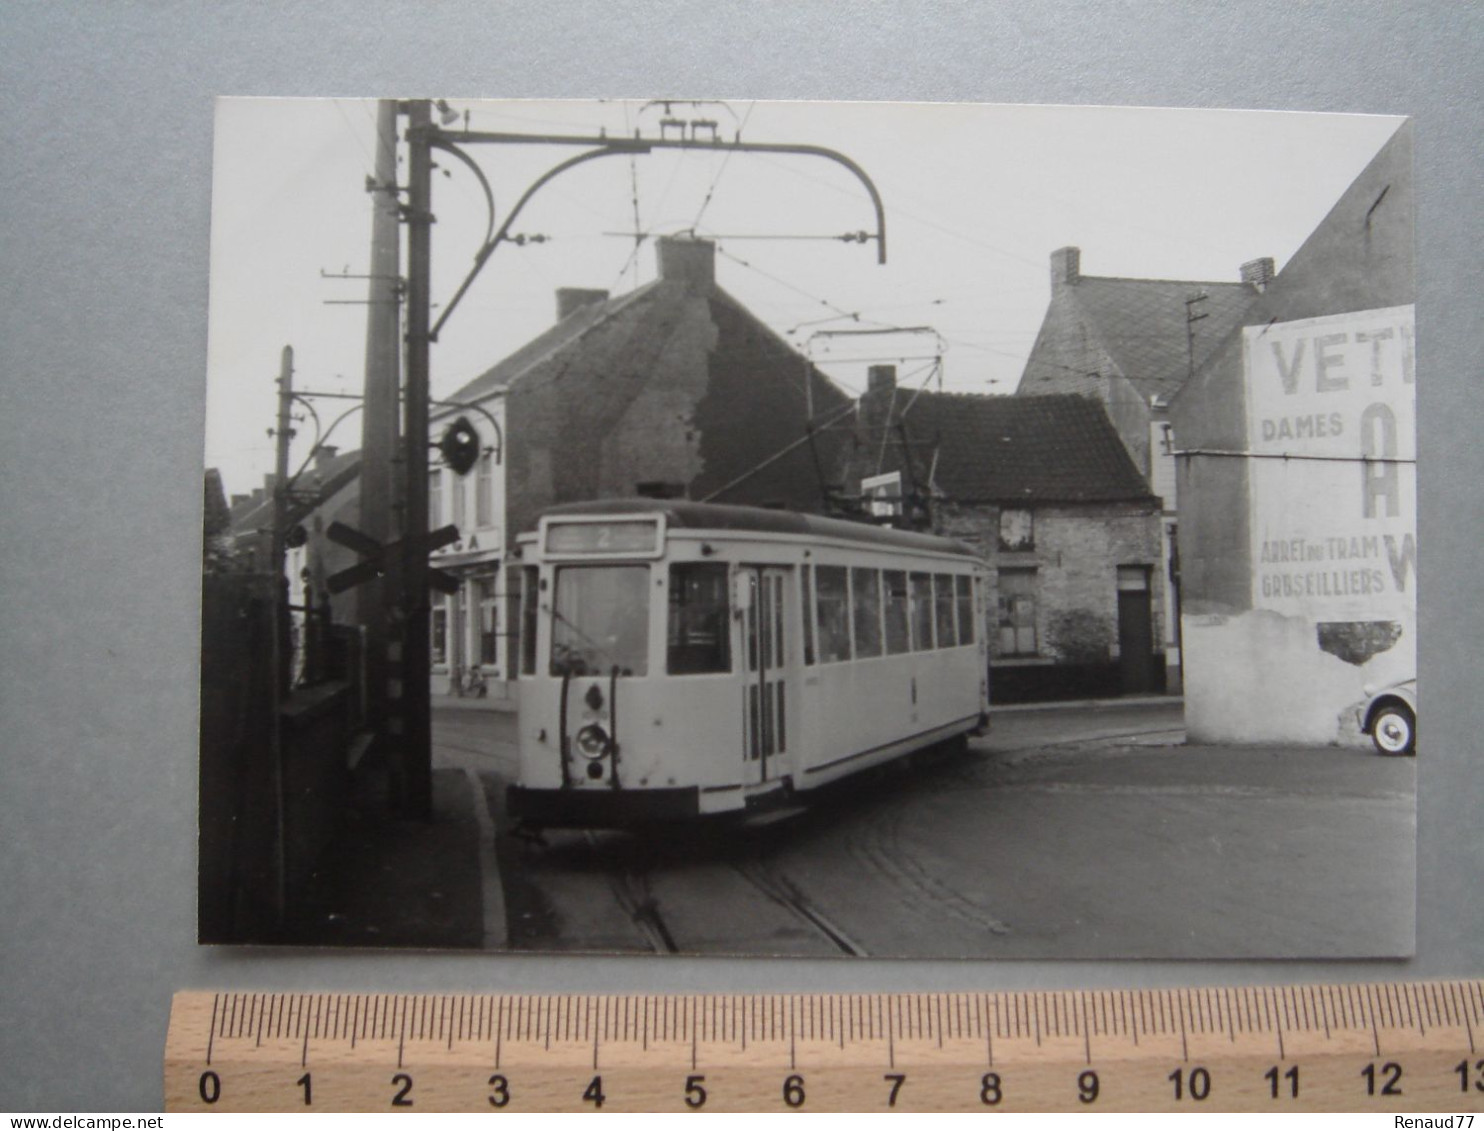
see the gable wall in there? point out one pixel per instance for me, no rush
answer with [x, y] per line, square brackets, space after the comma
[1358, 259]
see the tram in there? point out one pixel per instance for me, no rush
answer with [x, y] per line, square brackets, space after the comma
[681, 660]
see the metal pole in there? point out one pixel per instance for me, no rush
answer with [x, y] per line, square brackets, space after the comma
[278, 635]
[416, 798]
[283, 433]
[379, 422]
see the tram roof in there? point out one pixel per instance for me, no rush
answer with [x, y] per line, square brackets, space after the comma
[686, 515]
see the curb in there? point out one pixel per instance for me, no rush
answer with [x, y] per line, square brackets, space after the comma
[1086, 704]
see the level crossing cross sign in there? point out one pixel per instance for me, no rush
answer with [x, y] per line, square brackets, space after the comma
[379, 560]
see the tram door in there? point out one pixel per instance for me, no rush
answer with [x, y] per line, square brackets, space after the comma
[765, 706]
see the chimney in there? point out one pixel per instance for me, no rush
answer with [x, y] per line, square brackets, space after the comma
[1066, 267]
[1258, 273]
[881, 379]
[323, 455]
[570, 299]
[688, 261]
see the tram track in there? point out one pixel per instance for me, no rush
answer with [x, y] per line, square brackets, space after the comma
[631, 868]
[631, 886]
[784, 892]
[632, 892]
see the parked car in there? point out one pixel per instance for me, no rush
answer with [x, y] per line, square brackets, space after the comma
[1389, 716]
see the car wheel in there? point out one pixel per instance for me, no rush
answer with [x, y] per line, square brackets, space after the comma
[1394, 730]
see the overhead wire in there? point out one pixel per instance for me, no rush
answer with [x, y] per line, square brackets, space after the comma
[634, 193]
[389, 142]
[633, 256]
[725, 161]
[360, 141]
[853, 316]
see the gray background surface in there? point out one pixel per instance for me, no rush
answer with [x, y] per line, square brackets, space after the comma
[107, 117]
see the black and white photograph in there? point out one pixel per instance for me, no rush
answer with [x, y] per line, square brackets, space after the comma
[811, 529]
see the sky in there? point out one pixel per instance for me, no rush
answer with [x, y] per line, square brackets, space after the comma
[976, 199]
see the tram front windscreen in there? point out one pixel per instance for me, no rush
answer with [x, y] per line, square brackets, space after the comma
[600, 620]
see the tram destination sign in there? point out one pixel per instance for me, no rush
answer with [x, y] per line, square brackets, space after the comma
[605, 536]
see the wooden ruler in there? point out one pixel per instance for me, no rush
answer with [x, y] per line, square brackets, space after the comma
[1394, 1047]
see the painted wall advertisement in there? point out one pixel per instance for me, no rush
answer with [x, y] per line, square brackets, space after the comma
[1331, 406]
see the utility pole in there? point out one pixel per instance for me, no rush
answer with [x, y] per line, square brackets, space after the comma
[415, 784]
[282, 434]
[379, 419]
[280, 660]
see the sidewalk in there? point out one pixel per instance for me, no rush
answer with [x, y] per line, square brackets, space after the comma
[386, 881]
[491, 702]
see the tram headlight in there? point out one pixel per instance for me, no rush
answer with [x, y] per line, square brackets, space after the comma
[592, 741]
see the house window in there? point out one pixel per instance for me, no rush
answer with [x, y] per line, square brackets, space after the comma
[883, 494]
[460, 499]
[435, 498]
[1017, 530]
[484, 588]
[440, 628]
[865, 599]
[1017, 612]
[484, 491]
[1133, 579]
[833, 599]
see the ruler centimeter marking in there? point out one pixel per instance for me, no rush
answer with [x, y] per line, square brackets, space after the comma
[1402, 1047]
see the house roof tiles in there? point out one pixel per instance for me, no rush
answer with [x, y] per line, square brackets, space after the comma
[1055, 448]
[1142, 324]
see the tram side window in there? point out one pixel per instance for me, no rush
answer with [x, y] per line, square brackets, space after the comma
[833, 600]
[530, 576]
[898, 638]
[865, 592]
[806, 576]
[943, 609]
[922, 612]
[964, 595]
[699, 638]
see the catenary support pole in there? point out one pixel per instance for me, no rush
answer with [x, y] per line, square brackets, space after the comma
[379, 421]
[416, 778]
[280, 660]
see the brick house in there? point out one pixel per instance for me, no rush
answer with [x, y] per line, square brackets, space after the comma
[1044, 488]
[1131, 344]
